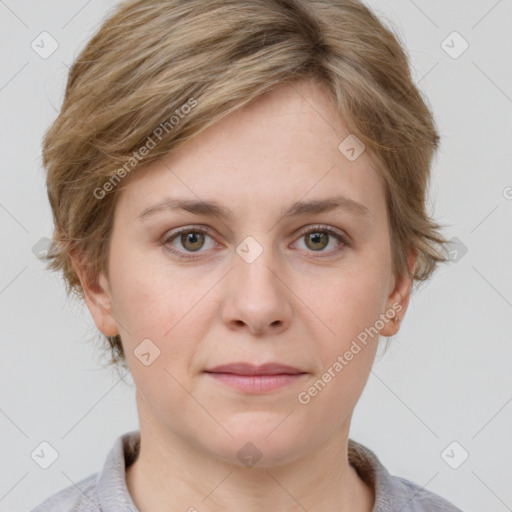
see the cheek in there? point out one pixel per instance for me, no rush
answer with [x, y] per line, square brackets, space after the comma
[347, 345]
[159, 304]
[349, 301]
[145, 295]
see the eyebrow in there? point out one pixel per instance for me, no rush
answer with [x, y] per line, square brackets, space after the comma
[300, 208]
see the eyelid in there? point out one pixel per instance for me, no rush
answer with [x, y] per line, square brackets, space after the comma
[325, 227]
[194, 228]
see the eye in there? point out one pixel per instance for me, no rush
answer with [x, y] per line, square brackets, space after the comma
[317, 238]
[186, 241]
[189, 240]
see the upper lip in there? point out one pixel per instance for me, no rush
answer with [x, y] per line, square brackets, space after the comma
[250, 369]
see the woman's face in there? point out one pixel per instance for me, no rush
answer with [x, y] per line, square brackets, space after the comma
[242, 273]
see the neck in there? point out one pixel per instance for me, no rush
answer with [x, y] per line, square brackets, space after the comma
[171, 474]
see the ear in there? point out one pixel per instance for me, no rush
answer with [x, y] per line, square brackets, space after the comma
[398, 300]
[97, 296]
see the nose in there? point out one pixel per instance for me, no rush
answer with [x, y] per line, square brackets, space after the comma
[257, 297]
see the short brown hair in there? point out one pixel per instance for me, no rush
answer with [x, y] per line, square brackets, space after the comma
[152, 58]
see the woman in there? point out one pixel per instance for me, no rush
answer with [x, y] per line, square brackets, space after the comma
[238, 190]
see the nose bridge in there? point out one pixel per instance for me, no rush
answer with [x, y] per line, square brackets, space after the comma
[257, 267]
[257, 294]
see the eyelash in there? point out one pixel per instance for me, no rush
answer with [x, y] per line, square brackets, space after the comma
[344, 242]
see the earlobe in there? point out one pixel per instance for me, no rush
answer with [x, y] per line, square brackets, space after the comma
[398, 301]
[97, 297]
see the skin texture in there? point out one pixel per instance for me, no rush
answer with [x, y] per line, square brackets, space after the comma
[301, 302]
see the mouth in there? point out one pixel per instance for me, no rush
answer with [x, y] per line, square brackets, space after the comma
[249, 378]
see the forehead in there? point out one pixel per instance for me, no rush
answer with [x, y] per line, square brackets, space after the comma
[281, 148]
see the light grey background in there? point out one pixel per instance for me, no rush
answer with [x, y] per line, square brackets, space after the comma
[447, 375]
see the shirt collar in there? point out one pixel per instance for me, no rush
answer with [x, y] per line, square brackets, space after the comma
[112, 489]
[371, 470]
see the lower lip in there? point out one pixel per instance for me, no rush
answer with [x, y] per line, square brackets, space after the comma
[256, 383]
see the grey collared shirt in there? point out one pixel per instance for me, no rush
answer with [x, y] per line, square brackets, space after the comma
[107, 491]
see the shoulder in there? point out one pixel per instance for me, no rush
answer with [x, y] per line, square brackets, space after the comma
[81, 496]
[105, 490]
[392, 492]
[414, 498]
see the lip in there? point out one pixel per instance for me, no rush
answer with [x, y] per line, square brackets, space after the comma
[251, 369]
[250, 378]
